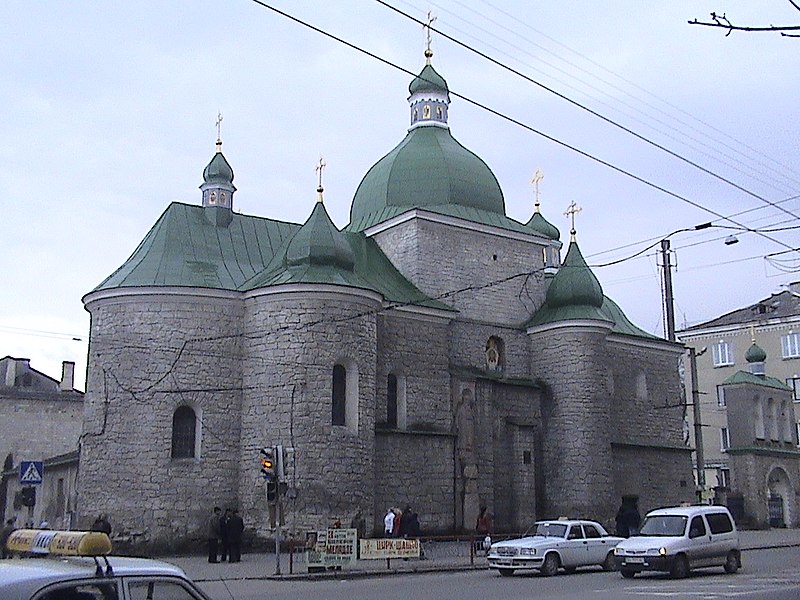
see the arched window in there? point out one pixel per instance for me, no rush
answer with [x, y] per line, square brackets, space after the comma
[339, 400]
[391, 401]
[184, 425]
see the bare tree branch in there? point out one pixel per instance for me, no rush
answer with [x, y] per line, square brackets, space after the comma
[723, 22]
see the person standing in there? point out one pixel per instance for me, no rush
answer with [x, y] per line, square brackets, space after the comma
[224, 552]
[235, 531]
[388, 523]
[214, 534]
[101, 524]
[6, 532]
[483, 527]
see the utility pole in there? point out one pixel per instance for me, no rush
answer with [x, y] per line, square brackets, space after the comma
[669, 310]
[698, 425]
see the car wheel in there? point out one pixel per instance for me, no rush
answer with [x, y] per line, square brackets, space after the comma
[680, 567]
[506, 572]
[627, 573]
[731, 562]
[608, 563]
[550, 564]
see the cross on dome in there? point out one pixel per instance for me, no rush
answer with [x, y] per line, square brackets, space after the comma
[318, 169]
[571, 211]
[427, 28]
[219, 132]
[537, 177]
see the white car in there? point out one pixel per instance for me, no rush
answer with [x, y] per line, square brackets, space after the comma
[73, 565]
[551, 545]
[680, 539]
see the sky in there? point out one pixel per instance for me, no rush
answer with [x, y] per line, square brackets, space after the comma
[108, 113]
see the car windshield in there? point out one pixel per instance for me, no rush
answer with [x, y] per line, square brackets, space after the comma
[548, 530]
[663, 525]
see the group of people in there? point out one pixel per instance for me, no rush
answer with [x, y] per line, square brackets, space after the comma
[401, 523]
[225, 535]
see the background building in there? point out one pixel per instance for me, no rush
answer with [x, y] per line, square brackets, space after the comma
[774, 323]
[434, 352]
[40, 420]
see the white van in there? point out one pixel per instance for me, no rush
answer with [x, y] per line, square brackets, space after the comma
[680, 539]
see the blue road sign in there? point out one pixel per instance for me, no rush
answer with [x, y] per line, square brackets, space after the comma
[30, 472]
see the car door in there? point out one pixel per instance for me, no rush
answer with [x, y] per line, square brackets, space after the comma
[597, 546]
[698, 543]
[574, 551]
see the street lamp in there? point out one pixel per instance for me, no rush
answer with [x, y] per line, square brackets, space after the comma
[698, 425]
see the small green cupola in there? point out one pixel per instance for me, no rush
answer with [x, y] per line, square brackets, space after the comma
[318, 243]
[429, 96]
[756, 358]
[542, 227]
[217, 187]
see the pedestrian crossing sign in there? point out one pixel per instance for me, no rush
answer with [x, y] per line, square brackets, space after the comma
[30, 472]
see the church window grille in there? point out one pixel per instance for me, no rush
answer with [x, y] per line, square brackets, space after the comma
[391, 401]
[339, 400]
[426, 111]
[183, 432]
[212, 198]
[439, 112]
[723, 356]
[790, 345]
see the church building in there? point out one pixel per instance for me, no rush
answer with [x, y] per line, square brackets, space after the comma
[434, 352]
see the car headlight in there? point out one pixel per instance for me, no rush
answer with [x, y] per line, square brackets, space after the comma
[662, 551]
[619, 550]
[527, 551]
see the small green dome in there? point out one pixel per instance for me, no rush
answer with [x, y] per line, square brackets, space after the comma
[755, 354]
[319, 242]
[428, 168]
[574, 284]
[218, 170]
[543, 227]
[428, 81]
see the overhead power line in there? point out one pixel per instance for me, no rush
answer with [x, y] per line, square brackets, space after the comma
[508, 118]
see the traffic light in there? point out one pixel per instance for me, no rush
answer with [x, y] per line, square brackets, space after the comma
[28, 496]
[268, 464]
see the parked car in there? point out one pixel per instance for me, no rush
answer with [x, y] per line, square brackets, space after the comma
[680, 539]
[74, 565]
[551, 545]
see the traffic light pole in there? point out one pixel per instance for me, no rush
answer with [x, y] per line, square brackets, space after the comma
[278, 515]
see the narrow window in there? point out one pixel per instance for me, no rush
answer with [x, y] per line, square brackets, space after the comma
[725, 439]
[391, 401]
[723, 356]
[526, 457]
[339, 401]
[790, 345]
[183, 432]
[721, 396]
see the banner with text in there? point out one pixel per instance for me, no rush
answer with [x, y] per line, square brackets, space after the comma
[331, 548]
[389, 548]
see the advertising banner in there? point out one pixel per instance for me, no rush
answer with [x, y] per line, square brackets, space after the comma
[389, 548]
[331, 548]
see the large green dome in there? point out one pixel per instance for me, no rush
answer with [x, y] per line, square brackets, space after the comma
[429, 168]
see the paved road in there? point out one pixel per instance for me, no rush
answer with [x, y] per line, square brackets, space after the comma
[768, 574]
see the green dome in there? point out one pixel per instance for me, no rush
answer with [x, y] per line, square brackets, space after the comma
[543, 227]
[428, 168]
[574, 284]
[218, 170]
[318, 242]
[428, 81]
[755, 354]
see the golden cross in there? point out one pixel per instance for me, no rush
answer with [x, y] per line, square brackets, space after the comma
[753, 333]
[320, 166]
[573, 210]
[219, 127]
[427, 28]
[537, 177]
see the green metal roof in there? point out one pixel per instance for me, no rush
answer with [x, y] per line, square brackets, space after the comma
[429, 168]
[755, 353]
[218, 170]
[765, 381]
[428, 81]
[319, 242]
[184, 248]
[543, 227]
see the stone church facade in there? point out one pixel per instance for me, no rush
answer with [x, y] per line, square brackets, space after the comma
[434, 352]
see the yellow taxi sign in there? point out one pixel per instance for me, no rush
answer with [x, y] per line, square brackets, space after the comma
[64, 543]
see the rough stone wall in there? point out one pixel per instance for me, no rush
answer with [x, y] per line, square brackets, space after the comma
[750, 479]
[38, 425]
[416, 469]
[468, 347]
[292, 342]
[148, 355]
[415, 348]
[440, 259]
[575, 414]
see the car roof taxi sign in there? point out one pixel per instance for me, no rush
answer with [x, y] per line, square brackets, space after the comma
[63, 543]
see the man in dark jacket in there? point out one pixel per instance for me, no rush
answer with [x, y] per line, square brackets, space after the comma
[235, 530]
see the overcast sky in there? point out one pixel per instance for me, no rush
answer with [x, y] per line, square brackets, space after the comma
[108, 109]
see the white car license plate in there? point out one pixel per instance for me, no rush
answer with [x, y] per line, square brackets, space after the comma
[634, 560]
